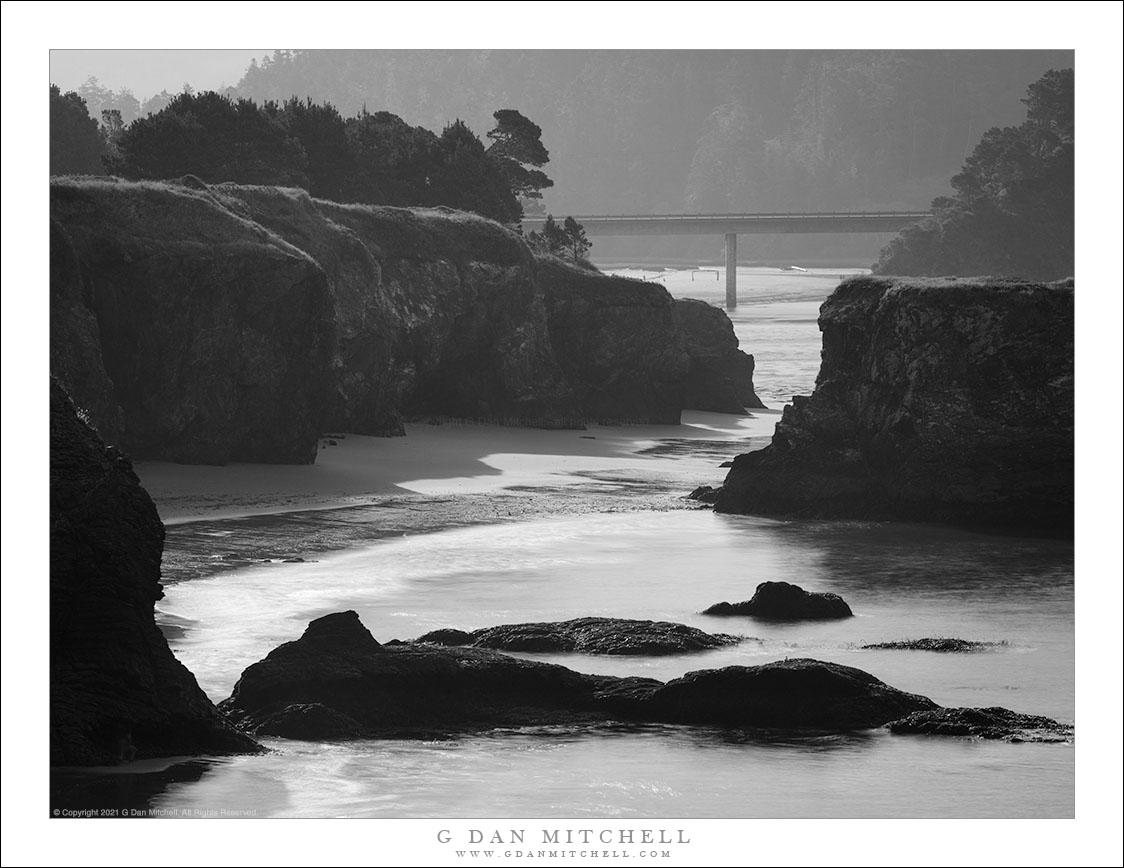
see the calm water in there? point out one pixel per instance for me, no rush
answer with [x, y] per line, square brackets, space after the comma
[902, 581]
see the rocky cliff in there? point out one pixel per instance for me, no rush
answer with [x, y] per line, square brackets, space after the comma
[117, 692]
[215, 334]
[938, 400]
[207, 324]
[720, 376]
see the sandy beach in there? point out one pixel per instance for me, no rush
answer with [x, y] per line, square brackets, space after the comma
[437, 477]
[458, 459]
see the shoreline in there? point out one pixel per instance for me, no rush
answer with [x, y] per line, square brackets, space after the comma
[438, 477]
[455, 459]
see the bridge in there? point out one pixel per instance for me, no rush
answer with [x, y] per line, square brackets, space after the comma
[733, 225]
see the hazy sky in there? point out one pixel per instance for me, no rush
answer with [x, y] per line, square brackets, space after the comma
[146, 71]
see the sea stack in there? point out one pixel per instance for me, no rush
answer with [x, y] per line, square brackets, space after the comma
[947, 400]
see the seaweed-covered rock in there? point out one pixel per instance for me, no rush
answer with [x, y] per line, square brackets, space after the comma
[117, 692]
[620, 636]
[446, 636]
[781, 601]
[937, 400]
[943, 645]
[720, 376]
[990, 723]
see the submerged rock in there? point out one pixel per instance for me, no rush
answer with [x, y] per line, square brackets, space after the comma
[937, 400]
[782, 601]
[990, 723]
[336, 681]
[588, 636]
[943, 645]
[117, 692]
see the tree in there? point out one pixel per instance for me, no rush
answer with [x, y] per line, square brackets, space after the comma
[577, 245]
[517, 144]
[468, 180]
[112, 128]
[567, 241]
[1013, 212]
[214, 137]
[76, 145]
[322, 134]
[393, 162]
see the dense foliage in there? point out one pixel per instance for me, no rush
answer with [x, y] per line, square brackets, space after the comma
[638, 131]
[567, 241]
[370, 158]
[1013, 210]
[654, 131]
[76, 144]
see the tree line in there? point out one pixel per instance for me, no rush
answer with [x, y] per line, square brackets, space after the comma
[371, 158]
[1012, 212]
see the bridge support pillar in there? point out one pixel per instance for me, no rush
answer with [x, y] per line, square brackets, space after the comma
[731, 270]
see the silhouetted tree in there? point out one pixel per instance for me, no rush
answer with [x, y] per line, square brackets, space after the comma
[577, 245]
[393, 161]
[76, 144]
[322, 135]
[517, 144]
[213, 137]
[467, 179]
[1013, 211]
[567, 241]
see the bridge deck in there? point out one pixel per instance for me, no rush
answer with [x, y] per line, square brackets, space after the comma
[741, 224]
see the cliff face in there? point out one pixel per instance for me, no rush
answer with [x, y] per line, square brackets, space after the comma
[436, 312]
[117, 692]
[938, 400]
[616, 342]
[215, 334]
[211, 324]
[720, 376]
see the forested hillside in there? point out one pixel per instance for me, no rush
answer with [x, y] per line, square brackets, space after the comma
[664, 131]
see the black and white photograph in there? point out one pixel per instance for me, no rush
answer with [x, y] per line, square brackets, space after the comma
[583, 453]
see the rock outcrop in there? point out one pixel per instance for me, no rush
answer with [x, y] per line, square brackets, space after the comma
[787, 694]
[617, 344]
[991, 723]
[781, 601]
[937, 400]
[619, 636]
[337, 681]
[942, 645]
[720, 376]
[215, 333]
[117, 692]
[207, 324]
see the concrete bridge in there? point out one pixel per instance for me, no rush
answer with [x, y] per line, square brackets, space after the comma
[733, 225]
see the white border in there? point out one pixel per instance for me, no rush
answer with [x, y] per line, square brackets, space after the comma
[1092, 29]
